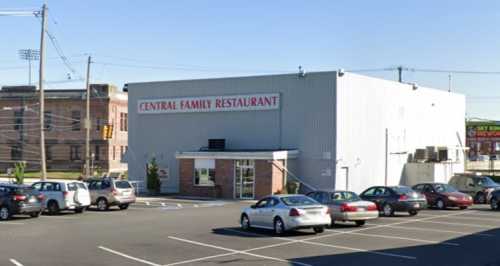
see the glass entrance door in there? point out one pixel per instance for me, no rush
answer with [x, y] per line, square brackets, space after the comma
[244, 179]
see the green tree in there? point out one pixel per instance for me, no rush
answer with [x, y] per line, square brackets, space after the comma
[19, 172]
[153, 179]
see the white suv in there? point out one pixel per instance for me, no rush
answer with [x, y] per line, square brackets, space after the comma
[64, 195]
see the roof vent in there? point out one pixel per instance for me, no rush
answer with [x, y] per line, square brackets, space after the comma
[216, 144]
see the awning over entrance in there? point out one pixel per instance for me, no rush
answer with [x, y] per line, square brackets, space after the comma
[240, 155]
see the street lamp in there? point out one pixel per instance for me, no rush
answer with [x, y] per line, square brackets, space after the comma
[29, 55]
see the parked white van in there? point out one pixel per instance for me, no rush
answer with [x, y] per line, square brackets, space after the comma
[64, 195]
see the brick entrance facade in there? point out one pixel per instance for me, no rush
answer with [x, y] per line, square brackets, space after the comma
[269, 178]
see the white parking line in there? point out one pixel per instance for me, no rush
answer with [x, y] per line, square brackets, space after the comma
[128, 256]
[57, 217]
[13, 223]
[402, 238]
[202, 259]
[435, 230]
[479, 218]
[305, 241]
[487, 214]
[15, 262]
[238, 251]
[459, 224]
[360, 250]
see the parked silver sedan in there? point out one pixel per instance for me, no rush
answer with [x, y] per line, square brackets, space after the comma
[286, 212]
[346, 206]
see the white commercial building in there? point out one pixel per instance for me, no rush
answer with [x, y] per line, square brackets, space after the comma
[328, 129]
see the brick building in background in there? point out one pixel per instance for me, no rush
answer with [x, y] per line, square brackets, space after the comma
[64, 127]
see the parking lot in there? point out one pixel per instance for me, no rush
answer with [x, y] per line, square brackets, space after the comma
[207, 233]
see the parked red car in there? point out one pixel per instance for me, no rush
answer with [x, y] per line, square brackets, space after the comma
[442, 195]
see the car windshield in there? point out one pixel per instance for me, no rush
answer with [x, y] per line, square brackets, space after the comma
[402, 190]
[122, 184]
[444, 188]
[486, 181]
[72, 187]
[298, 201]
[345, 196]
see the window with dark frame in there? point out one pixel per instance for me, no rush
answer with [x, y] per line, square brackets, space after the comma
[114, 153]
[16, 152]
[48, 152]
[18, 120]
[47, 120]
[204, 172]
[123, 122]
[75, 153]
[98, 124]
[97, 153]
[75, 120]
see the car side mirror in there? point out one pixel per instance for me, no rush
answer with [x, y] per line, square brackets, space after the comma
[471, 185]
[253, 206]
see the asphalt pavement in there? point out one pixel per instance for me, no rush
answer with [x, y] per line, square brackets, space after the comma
[207, 233]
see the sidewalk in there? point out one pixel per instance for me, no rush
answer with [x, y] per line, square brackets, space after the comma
[185, 199]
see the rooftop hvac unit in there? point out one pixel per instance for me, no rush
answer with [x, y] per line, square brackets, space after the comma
[420, 155]
[431, 153]
[442, 154]
[217, 144]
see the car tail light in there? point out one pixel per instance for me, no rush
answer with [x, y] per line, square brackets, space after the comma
[328, 211]
[65, 194]
[403, 198]
[347, 208]
[294, 212]
[41, 197]
[19, 197]
[372, 207]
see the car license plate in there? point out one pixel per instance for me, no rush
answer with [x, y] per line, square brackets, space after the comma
[32, 200]
[361, 209]
[417, 205]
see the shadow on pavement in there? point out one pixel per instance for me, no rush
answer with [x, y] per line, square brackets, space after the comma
[473, 250]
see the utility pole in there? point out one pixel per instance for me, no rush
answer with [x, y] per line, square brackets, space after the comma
[400, 74]
[43, 166]
[87, 122]
[29, 55]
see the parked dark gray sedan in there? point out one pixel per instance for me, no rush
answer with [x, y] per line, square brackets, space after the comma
[395, 199]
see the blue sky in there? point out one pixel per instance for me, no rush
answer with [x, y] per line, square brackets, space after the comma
[163, 40]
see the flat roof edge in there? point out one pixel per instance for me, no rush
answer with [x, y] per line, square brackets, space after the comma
[239, 155]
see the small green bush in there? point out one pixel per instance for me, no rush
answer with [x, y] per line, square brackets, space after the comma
[19, 172]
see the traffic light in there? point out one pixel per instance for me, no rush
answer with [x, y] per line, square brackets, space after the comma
[107, 132]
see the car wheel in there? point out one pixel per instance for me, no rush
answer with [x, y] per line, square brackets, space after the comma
[80, 210]
[480, 198]
[279, 226]
[463, 207]
[102, 204]
[245, 222]
[123, 206]
[387, 210]
[319, 229]
[35, 214]
[333, 223]
[494, 204]
[440, 204]
[53, 207]
[360, 223]
[413, 212]
[4, 213]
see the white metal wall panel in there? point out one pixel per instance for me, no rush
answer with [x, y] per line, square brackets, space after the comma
[367, 106]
